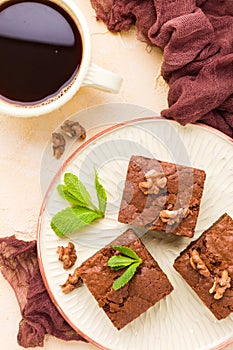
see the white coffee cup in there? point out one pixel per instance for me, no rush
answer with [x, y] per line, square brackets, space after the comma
[88, 74]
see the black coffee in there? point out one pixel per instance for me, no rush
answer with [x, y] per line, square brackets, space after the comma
[40, 50]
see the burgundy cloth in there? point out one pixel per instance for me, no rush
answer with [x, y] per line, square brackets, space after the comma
[19, 265]
[196, 37]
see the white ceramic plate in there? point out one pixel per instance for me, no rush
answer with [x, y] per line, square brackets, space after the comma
[179, 321]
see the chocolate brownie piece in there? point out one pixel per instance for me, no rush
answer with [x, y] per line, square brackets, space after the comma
[147, 287]
[207, 266]
[162, 196]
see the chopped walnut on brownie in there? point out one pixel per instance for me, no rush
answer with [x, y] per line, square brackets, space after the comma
[162, 196]
[154, 182]
[207, 266]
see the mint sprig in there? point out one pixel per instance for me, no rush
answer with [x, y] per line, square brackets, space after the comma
[129, 259]
[82, 211]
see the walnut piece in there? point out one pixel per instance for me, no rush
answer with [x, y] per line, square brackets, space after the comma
[220, 285]
[198, 264]
[58, 144]
[73, 129]
[67, 255]
[73, 281]
[154, 182]
[173, 216]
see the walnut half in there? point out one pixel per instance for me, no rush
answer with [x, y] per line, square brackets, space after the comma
[198, 264]
[73, 129]
[173, 216]
[67, 255]
[154, 182]
[220, 285]
[73, 281]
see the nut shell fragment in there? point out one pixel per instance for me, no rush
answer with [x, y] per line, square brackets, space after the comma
[58, 144]
[73, 129]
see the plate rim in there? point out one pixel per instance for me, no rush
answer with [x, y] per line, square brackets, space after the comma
[59, 172]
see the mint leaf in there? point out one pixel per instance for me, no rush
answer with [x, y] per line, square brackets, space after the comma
[127, 252]
[72, 218]
[117, 262]
[77, 189]
[126, 276]
[101, 194]
[65, 194]
[82, 210]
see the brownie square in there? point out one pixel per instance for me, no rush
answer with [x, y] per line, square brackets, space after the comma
[207, 266]
[147, 287]
[162, 196]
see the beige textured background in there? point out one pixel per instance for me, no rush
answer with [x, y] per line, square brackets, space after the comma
[23, 141]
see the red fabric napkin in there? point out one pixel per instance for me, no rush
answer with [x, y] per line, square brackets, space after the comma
[19, 265]
[197, 40]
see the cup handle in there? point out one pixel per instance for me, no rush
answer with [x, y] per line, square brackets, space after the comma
[102, 79]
